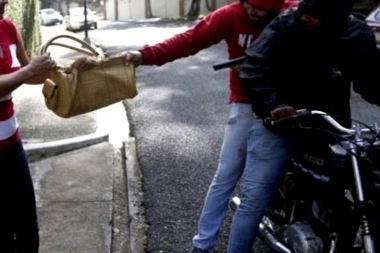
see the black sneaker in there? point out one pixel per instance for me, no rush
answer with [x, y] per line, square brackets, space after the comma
[198, 250]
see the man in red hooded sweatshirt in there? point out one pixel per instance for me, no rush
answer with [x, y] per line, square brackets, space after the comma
[291, 3]
[238, 24]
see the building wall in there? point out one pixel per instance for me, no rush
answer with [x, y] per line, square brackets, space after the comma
[110, 10]
[165, 8]
[135, 9]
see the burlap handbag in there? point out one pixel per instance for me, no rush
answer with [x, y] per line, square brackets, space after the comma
[70, 92]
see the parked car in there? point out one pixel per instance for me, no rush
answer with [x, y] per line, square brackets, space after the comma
[75, 18]
[373, 20]
[50, 17]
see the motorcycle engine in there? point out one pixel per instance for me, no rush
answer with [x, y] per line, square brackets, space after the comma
[302, 239]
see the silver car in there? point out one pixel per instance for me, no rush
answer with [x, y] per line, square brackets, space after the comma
[76, 17]
[50, 17]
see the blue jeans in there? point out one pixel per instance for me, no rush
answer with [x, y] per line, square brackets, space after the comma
[230, 168]
[18, 225]
[267, 154]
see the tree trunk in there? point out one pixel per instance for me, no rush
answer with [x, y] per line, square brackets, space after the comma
[148, 9]
[60, 9]
[194, 9]
[30, 30]
[209, 6]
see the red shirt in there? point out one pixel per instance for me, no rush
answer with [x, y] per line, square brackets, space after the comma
[9, 63]
[229, 23]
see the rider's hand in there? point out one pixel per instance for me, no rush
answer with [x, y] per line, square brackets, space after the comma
[241, 66]
[282, 112]
[135, 57]
[236, 68]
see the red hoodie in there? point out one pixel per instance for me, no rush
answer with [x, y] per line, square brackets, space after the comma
[291, 3]
[229, 23]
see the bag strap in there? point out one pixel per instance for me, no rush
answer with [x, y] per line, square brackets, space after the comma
[87, 48]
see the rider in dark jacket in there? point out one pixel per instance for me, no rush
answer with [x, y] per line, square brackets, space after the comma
[299, 63]
[308, 57]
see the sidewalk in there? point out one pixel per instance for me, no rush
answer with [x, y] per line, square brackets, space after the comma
[75, 199]
[86, 194]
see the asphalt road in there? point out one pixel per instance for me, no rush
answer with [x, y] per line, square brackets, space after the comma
[178, 120]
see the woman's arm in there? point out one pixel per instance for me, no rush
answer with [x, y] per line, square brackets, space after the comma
[12, 81]
[38, 66]
[24, 61]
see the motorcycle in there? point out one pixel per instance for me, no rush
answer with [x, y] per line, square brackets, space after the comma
[329, 199]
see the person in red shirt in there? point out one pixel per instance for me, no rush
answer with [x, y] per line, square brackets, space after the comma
[291, 3]
[19, 229]
[19, 226]
[238, 24]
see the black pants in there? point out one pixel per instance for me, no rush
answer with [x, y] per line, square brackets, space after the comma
[18, 215]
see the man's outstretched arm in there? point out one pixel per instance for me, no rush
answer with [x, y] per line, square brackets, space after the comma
[209, 31]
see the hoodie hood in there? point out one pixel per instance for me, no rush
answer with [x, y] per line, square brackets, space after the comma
[331, 12]
[274, 5]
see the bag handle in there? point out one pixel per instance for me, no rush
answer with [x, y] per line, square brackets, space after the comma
[87, 48]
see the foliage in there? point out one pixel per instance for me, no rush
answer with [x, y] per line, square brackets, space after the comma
[365, 6]
[25, 15]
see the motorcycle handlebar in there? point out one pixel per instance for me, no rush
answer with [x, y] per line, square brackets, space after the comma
[331, 121]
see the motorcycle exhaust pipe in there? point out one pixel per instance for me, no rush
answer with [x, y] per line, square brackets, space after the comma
[265, 232]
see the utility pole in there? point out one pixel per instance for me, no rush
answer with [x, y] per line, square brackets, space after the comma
[86, 39]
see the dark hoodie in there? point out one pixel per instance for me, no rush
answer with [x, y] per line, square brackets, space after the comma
[287, 65]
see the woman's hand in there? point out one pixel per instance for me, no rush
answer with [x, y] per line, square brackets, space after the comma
[40, 65]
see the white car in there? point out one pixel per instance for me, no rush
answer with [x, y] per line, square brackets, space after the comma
[76, 17]
[50, 17]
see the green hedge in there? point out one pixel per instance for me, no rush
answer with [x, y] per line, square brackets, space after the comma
[25, 15]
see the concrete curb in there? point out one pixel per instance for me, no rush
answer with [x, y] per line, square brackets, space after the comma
[136, 212]
[38, 151]
[120, 240]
